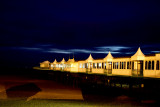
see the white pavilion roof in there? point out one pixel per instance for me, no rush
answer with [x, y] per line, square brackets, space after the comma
[90, 58]
[138, 55]
[55, 61]
[63, 60]
[109, 57]
[71, 60]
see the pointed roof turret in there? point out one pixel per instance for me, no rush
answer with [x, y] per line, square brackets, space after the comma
[63, 60]
[55, 61]
[138, 55]
[90, 59]
[109, 57]
[71, 60]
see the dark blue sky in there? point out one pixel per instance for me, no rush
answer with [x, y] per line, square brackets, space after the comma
[36, 30]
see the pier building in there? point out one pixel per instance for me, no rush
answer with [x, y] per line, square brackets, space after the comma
[135, 65]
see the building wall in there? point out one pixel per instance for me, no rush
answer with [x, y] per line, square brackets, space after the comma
[97, 71]
[81, 70]
[67, 69]
[126, 72]
[58, 68]
[149, 73]
[157, 72]
[44, 65]
[74, 67]
[41, 65]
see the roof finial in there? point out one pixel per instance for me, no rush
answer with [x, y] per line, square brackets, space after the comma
[139, 49]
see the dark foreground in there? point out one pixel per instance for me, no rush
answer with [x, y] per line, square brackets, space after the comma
[33, 89]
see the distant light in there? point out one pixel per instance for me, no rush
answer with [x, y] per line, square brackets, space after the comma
[142, 85]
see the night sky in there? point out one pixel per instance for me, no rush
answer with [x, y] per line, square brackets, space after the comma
[33, 31]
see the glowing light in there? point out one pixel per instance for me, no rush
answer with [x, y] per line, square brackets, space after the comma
[52, 65]
[80, 65]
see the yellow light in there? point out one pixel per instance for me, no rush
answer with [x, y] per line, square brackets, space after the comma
[142, 85]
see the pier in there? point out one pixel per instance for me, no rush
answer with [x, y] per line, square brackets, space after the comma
[143, 86]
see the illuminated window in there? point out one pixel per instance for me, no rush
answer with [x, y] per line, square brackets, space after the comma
[102, 65]
[157, 65]
[127, 65]
[52, 65]
[124, 65]
[105, 65]
[149, 65]
[98, 65]
[152, 65]
[120, 65]
[80, 65]
[116, 65]
[146, 65]
[60, 65]
[130, 65]
[91, 66]
[84, 65]
[94, 65]
[133, 65]
[113, 65]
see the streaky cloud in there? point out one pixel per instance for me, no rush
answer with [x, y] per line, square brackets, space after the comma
[155, 51]
[91, 51]
[27, 48]
[129, 53]
[112, 48]
[67, 51]
[54, 50]
[81, 51]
